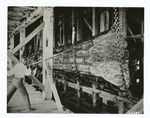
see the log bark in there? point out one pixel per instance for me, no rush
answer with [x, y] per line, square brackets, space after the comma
[101, 60]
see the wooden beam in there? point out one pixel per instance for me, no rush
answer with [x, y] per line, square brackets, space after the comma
[101, 93]
[95, 95]
[89, 26]
[136, 36]
[26, 7]
[15, 61]
[22, 38]
[28, 38]
[11, 42]
[54, 90]
[137, 108]
[130, 32]
[79, 91]
[142, 30]
[48, 33]
[37, 12]
[102, 21]
[64, 30]
[33, 20]
[106, 20]
[95, 21]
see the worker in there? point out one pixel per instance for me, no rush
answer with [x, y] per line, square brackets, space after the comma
[19, 71]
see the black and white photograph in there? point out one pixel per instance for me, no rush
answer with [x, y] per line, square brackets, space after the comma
[75, 60]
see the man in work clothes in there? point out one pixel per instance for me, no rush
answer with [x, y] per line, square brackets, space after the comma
[19, 71]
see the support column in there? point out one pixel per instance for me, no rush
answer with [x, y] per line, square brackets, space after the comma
[64, 30]
[11, 48]
[78, 94]
[95, 21]
[48, 33]
[106, 20]
[95, 95]
[22, 38]
[142, 56]
[11, 42]
[102, 21]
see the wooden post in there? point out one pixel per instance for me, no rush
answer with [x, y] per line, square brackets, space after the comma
[102, 21]
[106, 20]
[95, 21]
[22, 38]
[53, 87]
[142, 29]
[28, 38]
[95, 95]
[48, 34]
[11, 48]
[65, 84]
[142, 55]
[79, 26]
[78, 94]
[11, 42]
[64, 30]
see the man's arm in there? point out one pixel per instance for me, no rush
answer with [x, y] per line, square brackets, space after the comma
[28, 72]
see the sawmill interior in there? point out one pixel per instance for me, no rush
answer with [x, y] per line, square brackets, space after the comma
[85, 59]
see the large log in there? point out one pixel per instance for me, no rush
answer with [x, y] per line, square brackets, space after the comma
[102, 58]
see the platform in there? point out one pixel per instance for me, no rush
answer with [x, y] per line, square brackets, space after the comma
[16, 103]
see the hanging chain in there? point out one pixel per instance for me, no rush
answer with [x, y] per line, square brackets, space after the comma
[73, 26]
[120, 52]
[73, 36]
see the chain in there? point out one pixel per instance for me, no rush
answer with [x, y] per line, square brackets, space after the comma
[73, 26]
[73, 36]
[120, 52]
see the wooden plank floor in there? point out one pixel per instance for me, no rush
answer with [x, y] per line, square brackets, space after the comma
[16, 104]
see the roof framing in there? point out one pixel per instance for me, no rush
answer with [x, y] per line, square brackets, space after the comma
[22, 17]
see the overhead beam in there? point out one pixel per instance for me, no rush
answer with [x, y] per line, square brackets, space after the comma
[27, 7]
[28, 38]
[36, 13]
